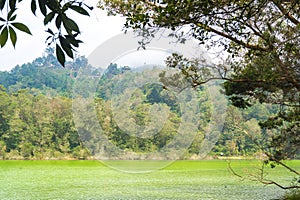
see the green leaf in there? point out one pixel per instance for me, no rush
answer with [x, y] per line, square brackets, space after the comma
[54, 5]
[9, 14]
[58, 21]
[66, 46]
[13, 36]
[49, 17]
[70, 25]
[2, 4]
[21, 27]
[12, 4]
[80, 10]
[43, 9]
[33, 6]
[60, 55]
[3, 20]
[12, 18]
[66, 6]
[73, 41]
[50, 31]
[48, 39]
[3, 37]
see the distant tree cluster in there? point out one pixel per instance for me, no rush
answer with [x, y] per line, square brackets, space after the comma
[45, 74]
[37, 122]
[34, 126]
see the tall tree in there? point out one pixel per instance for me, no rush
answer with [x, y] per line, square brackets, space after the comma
[263, 41]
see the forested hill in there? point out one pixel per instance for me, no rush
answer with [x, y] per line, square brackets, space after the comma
[36, 116]
[45, 74]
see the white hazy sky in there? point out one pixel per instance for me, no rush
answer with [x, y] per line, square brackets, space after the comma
[95, 29]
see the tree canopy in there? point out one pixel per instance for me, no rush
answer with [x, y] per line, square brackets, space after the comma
[36, 110]
[261, 31]
[263, 41]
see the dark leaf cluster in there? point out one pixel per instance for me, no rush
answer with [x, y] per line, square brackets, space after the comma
[65, 38]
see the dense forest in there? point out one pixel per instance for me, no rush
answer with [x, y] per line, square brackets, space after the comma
[36, 116]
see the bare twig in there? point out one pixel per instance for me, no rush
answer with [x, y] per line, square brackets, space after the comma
[261, 178]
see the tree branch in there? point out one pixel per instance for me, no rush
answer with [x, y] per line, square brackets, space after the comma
[291, 76]
[261, 179]
[225, 35]
[281, 163]
[268, 182]
[267, 154]
[228, 79]
[258, 33]
[196, 83]
[286, 13]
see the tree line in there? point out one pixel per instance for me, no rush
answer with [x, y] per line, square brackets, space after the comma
[37, 122]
